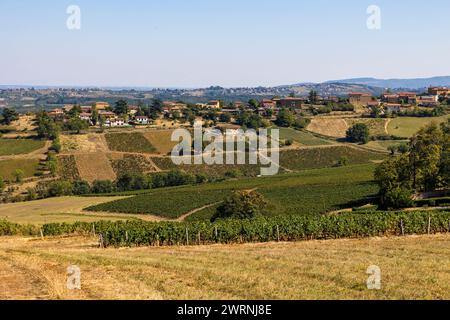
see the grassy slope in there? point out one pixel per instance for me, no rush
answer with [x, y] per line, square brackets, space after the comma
[334, 269]
[325, 157]
[63, 209]
[19, 146]
[288, 194]
[295, 160]
[304, 138]
[408, 126]
[29, 166]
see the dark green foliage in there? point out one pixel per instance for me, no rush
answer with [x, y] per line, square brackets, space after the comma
[358, 133]
[46, 127]
[121, 107]
[103, 186]
[241, 205]
[285, 118]
[81, 187]
[9, 115]
[285, 228]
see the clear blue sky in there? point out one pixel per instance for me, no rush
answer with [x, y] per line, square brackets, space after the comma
[196, 43]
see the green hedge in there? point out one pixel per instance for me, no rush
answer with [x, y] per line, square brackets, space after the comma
[10, 229]
[285, 228]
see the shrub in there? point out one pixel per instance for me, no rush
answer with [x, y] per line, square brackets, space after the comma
[81, 187]
[103, 186]
[241, 205]
[59, 188]
[358, 133]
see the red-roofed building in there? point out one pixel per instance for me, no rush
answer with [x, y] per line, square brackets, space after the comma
[438, 91]
[360, 98]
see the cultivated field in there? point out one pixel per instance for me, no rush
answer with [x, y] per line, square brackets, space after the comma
[331, 127]
[337, 127]
[83, 143]
[161, 140]
[308, 192]
[129, 142]
[301, 137]
[335, 269]
[94, 166]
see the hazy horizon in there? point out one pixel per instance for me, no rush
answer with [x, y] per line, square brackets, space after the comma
[201, 43]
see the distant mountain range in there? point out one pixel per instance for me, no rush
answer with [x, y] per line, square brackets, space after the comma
[415, 84]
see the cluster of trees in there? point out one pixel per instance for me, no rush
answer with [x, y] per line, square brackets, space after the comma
[8, 116]
[242, 205]
[287, 118]
[358, 133]
[424, 166]
[126, 182]
[251, 120]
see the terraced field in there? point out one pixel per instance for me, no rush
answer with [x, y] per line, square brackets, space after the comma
[94, 166]
[308, 192]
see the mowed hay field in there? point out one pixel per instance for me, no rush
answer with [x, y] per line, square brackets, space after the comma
[161, 140]
[19, 146]
[62, 209]
[94, 166]
[408, 126]
[337, 128]
[84, 143]
[330, 127]
[28, 166]
[414, 267]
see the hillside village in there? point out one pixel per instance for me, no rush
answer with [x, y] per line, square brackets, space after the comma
[102, 114]
[97, 141]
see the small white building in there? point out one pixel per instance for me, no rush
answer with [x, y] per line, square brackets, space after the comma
[115, 122]
[142, 120]
[85, 116]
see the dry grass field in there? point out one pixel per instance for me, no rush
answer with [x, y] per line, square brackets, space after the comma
[94, 166]
[161, 140]
[84, 143]
[331, 127]
[337, 127]
[412, 268]
[63, 209]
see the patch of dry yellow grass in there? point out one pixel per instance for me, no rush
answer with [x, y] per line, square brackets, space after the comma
[331, 127]
[161, 140]
[94, 166]
[63, 209]
[412, 268]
